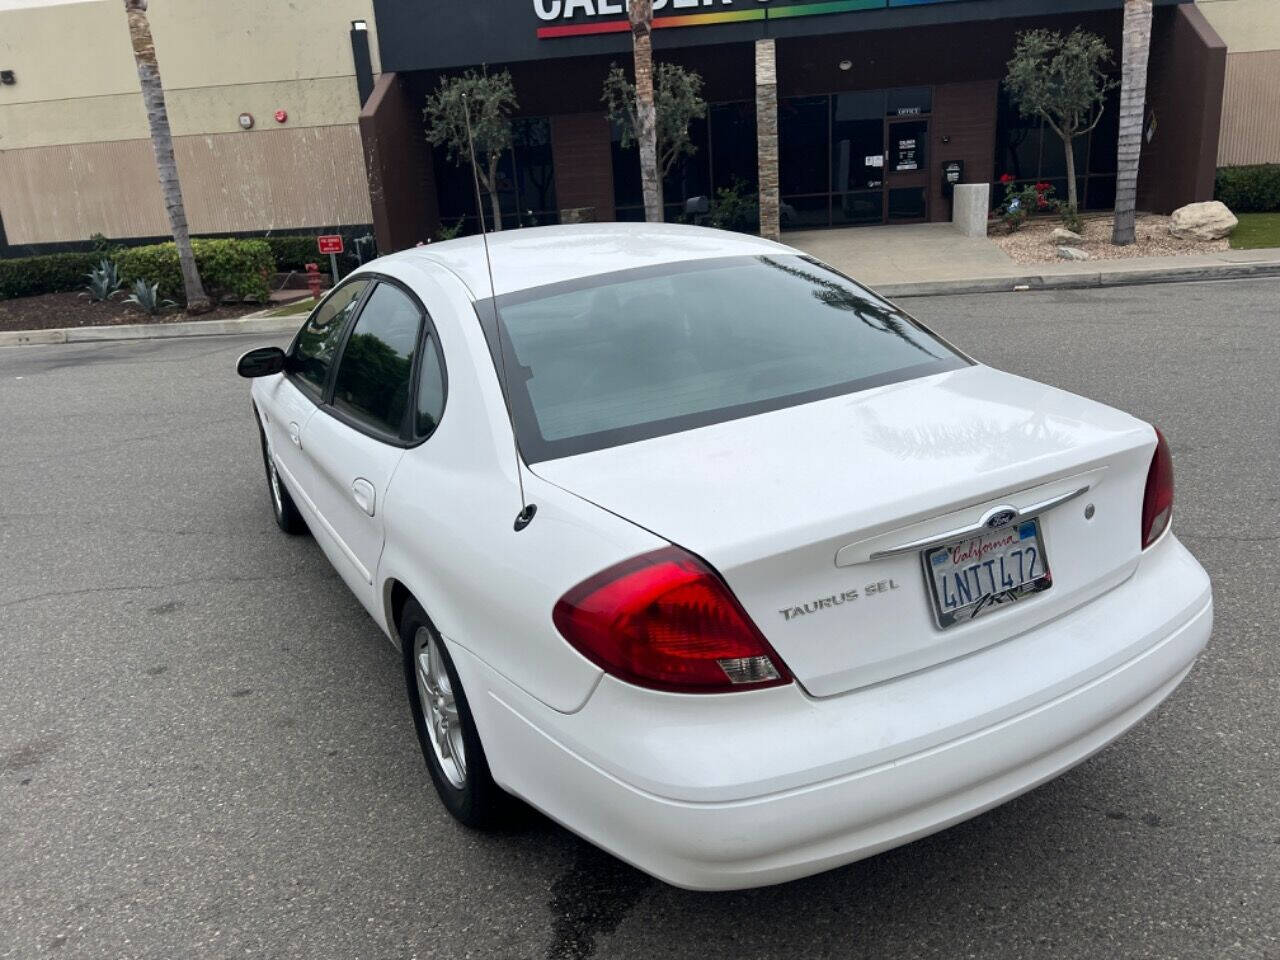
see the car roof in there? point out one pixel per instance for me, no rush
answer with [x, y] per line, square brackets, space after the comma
[536, 256]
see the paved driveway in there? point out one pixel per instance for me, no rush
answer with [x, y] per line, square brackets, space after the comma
[205, 751]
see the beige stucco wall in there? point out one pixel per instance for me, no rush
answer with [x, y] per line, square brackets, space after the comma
[279, 180]
[77, 92]
[1251, 97]
[1245, 25]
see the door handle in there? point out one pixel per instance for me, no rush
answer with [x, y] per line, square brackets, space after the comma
[295, 434]
[364, 493]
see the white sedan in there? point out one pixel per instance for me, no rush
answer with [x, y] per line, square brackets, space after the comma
[714, 556]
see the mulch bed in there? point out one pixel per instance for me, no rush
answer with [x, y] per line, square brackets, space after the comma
[54, 310]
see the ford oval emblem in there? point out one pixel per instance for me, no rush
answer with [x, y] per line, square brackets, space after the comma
[1001, 518]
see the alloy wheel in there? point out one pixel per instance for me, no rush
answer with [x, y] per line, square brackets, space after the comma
[439, 707]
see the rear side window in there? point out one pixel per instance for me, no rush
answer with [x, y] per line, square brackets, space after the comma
[430, 389]
[318, 342]
[627, 356]
[374, 376]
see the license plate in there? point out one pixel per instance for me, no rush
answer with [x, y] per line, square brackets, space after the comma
[971, 577]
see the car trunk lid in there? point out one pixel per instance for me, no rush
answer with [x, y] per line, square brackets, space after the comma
[815, 515]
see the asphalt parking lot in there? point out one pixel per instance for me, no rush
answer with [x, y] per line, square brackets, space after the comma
[205, 749]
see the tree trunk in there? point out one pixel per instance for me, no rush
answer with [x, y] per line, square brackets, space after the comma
[494, 205]
[1073, 196]
[1133, 105]
[641, 16]
[767, 139]
[144, 54]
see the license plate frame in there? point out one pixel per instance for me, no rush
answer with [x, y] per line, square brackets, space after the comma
[1029, 533]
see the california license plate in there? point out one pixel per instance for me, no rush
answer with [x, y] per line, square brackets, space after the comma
[974, 576]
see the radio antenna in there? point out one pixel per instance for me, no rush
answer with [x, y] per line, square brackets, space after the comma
[527, 509]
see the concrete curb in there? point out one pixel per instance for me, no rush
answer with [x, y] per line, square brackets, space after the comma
[1082, 281]
[252, 324]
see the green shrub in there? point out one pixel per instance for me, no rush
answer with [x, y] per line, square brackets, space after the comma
[1249, 189]
[52, 273]
[236, 268]
[294, 253]
[736, 208]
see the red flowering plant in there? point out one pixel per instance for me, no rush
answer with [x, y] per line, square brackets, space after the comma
[1021, 201]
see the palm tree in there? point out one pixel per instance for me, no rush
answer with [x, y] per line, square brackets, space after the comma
[144, 53]
[1133, 105]
[640, 13]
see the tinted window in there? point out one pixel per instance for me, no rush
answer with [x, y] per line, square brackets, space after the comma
[648, 352]
[318, 342]
[372, 384]
[430, 389]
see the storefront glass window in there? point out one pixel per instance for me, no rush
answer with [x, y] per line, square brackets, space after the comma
[733, 146]
[526, 181]
[1031, 152]
[857, 141]
[803, 146]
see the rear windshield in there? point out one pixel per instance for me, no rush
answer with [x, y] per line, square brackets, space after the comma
[627, 356]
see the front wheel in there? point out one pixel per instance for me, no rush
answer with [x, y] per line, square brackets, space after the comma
[286, 511]
[446, 729]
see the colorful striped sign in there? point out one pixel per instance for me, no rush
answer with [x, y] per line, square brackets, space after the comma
[816, 8]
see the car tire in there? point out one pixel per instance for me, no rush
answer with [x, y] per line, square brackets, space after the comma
[286, 511]
[446, 728]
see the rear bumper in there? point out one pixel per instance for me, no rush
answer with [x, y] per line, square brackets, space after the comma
[752, 789]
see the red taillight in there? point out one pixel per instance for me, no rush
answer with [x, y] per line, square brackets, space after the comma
[1157, 504]
[665, 620]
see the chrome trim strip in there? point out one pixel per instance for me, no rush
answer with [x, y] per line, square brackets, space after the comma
[981, 526]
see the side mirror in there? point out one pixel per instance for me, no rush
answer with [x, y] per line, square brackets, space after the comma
[697, 205]
[262, 362]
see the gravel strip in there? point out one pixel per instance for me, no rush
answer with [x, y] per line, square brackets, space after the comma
[1033, 244]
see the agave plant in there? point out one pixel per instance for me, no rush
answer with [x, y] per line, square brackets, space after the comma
[104, 282]
[147, 298]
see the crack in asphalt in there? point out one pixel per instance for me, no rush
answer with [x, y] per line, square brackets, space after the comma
[54, 594]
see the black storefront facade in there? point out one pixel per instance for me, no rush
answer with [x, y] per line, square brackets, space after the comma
[875, 98]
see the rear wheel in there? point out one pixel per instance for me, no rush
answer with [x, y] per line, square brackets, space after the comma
[446, 730]
[286, 512]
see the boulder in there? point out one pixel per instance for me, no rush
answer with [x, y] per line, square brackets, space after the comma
[1062, 235]
[1203, 221]
[1072, 253]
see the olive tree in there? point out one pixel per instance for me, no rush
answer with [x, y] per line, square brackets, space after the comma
[1064, 81]
[678, 99]
[490, 98]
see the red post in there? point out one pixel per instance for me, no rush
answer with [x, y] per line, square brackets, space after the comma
[314, 283]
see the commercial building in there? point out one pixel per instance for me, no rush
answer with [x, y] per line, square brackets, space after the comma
[263, 99]
[874, 98]
[1251, 101]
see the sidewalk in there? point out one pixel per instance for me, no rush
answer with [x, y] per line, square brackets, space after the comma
[935, 258]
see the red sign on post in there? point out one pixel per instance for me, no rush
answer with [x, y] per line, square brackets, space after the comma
[331, 243]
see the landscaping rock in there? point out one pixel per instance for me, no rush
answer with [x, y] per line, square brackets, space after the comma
[1203, 221]
[1072, 253]
[1062, 235]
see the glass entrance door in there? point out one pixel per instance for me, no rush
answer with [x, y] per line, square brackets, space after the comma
[857, 157]
[907, 171]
